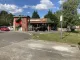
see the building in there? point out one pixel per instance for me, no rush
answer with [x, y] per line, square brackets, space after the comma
[24, 23]
[20, 22]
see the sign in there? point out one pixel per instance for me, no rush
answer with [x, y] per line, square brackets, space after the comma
[61, 18]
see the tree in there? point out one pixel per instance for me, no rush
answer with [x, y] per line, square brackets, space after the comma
[58, 14]
[70, 12]
[5, 18]
[35, 15]
[49, 15]
[10, 19]
[52, 17]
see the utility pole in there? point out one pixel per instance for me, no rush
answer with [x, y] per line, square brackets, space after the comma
[61, 19]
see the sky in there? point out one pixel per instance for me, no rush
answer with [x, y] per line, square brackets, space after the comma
[26, 7]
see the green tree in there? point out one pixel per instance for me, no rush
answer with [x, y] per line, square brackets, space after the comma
[70, 12]
[10, 19]
[5, 18]
[58, 14]
[35, 15]
[49, 15]
[52, 17]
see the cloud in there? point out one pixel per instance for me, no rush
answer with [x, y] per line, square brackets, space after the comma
[78, 11]
[25, 6]
[44, 4]
[28, 12]
[62, 1]
[57, 8]
[11, 8]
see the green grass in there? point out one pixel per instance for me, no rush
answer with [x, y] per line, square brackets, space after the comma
[68, 37]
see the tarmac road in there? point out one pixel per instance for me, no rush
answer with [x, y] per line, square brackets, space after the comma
[20, 46]
[7, 38]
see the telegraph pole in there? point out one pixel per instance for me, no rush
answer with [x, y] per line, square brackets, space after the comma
[61, 19]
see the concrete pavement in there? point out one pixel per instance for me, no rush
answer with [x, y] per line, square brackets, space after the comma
[20, 46]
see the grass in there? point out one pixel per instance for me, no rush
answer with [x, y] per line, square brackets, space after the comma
[68, 37]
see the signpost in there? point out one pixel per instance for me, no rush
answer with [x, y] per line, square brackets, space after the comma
[79, 17]
[61, 19]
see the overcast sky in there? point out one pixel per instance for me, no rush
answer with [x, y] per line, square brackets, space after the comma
[26, 7]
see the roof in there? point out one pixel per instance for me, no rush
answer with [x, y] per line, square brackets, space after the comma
[43, 20]
[19, 16]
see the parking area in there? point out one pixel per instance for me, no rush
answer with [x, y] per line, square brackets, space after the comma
[20, 46]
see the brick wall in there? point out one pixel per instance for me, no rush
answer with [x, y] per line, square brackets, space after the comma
[24, 23]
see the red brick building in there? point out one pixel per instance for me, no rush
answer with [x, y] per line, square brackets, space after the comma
[20, 22]
[23, 22]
